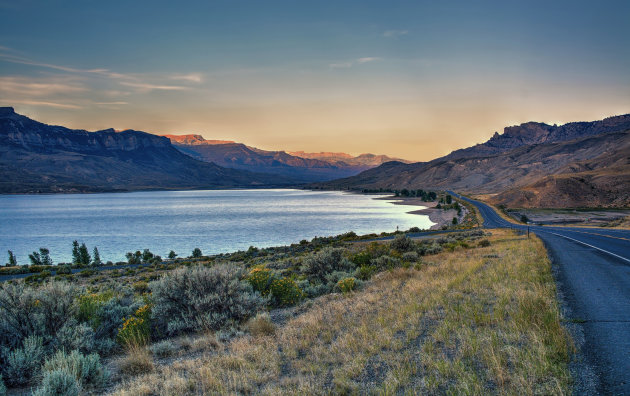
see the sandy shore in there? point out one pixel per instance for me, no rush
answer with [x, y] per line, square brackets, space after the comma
[438, 216]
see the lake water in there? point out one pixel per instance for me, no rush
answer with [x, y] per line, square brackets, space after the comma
[216, 221]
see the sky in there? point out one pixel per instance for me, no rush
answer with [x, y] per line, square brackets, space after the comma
[410, 79]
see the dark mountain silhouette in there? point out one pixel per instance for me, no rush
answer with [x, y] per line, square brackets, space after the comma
[35, 157]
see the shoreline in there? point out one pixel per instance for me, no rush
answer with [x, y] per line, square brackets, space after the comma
[438, 216]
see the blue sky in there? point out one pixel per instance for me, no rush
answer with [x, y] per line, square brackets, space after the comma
[410, 79]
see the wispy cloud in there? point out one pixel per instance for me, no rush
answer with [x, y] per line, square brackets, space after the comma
[150, 87]
[191, 77]
[367, 59]
[359, 61]
[141, 82]
[40, 86]
[395, 33]
[47, 104]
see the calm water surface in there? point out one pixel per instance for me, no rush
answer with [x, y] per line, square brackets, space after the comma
[216, 221]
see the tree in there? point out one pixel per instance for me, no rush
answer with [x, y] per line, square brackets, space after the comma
[84, 255]
[449, 199]
[96, 257]
[454, 220]
[76, 258]
[12, 260]
[134, 258]
[45, 254]
[146, 255]
[40, 258]
[172, 255]
[35, 258]
[524, 219]
[404, 192]
[196, 253]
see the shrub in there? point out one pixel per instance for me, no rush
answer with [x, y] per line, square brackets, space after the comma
[261, 325]
[385, 262]
[410, 256]
[136, 329]
[141, 287]
[63, 270]
[326, 261]
[25, 311]
[346, 285]
[163, 348]
[89, 305]
[260, 278]
[22, 364]
[58, 382]
[484, 243]
[361, 258]
[190, 299]
[74, 335]
[402, 243]
[86, 369]
[365, 272]
[110, 315]
[285, 291]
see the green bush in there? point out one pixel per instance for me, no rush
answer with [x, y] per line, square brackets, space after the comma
[136, 329]
[26, 311]
[410, 257]
[58, 383]
[402, 243]
[285, 291]
[260, 278]
[197, 298]
[22, 364]
[63, 270]
[322, 263]
[385, 263]
[346, 285]
[365, 272]
[86, 369]
[75, 335]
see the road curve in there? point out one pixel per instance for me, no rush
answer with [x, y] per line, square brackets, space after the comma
[593, 274]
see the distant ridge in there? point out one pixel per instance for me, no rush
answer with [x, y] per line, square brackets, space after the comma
[40, 158]
[530, 165]
[306, 167]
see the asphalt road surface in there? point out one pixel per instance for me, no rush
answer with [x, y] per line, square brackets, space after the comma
[594, 276]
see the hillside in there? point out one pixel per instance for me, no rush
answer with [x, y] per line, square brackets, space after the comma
[40, 158]
[307, 167]
[532, 165]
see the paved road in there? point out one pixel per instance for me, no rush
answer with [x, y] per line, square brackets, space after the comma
[594, 277]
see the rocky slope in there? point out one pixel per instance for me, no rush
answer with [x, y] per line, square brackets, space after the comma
[530, 165]
[307, 167]
[35, 157]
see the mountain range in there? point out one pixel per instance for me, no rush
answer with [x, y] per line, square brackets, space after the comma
[40, 158]
[530, 165]
[301, 166]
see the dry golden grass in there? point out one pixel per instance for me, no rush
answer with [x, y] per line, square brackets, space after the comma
[137, 360]
[475, 321]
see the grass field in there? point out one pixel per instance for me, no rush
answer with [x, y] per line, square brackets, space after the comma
[480, 321]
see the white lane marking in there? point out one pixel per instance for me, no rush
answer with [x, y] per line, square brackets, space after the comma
[594, 247]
